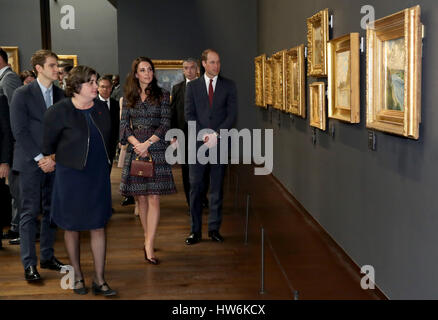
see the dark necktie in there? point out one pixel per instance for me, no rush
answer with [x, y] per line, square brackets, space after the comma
[210, 92]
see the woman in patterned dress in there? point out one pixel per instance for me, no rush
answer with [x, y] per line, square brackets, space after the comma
[146, 116]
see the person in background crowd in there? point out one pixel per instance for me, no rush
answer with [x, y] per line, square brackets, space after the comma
[104, 88]
[27, 76]
[117, 90]
[9, 82]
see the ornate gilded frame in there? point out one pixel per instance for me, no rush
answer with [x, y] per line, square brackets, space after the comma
[394, 53]
[268, 82]
[168, 73]
[317, 30]
[343, 78]
[13, 59]
[259, 79]
[295, 81]
[317, 105]
[279, 94]
[68, 58]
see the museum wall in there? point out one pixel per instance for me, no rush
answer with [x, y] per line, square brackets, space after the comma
[94, 39]
[20, 27]
[379, 206]
[174, 29]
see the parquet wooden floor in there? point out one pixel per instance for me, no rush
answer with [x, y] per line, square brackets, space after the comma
[205, 271]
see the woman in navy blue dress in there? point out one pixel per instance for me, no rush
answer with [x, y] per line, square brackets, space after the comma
[77, 132]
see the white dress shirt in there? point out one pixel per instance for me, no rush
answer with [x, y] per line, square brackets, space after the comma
[207, 82]
[107, 101]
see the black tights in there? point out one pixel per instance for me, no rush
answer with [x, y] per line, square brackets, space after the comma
[98, 247]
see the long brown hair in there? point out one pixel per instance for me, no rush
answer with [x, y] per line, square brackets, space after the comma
[132, 86]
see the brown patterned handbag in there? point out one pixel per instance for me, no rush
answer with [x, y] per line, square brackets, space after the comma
[142, 168]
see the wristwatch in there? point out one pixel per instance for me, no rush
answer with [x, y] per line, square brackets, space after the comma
[150, 142]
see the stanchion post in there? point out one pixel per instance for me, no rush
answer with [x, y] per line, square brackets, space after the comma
[248, 197]
[235, 193]
[262, 289]
[296, 295]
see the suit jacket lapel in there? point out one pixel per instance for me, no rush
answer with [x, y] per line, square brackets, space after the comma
[38, 95]
[217, 90]
[203, 89]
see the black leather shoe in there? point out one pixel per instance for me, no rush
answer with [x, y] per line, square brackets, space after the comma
[215, 236]
[127, 201]
[100, 290]
[31, 274]
[79, 287]
[10, 235]
[15, 241]
[193, 238]
[52, 264]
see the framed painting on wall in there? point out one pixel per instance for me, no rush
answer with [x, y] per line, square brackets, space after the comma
[13, 58]
[394, 53]
[259, 78]
[279, 87]
[295, 81]
[317, 37]
[343, 78]
[68, 59]
[317, 105]
[268, 82]
[168, 73]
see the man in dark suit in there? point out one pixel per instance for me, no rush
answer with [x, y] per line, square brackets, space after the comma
[9, 82]
[5, 160]
[210, 101]
[104, 88]
[190, 70]
[27, 110]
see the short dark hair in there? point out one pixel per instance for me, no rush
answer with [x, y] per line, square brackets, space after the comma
[76, 77]
[27, 73]
[39, 58]
[4, 55]
[67, 68]
[190, 59]
[107, 77]
[205, 53]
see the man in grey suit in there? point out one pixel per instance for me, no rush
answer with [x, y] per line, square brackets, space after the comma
[9, 82]
[210, 101]
[28, 106]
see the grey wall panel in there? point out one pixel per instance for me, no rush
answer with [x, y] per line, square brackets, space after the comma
[174, 29]
[20, 26]
[94, 39]
[380, 206]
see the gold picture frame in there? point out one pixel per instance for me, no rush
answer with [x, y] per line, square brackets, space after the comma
[317, 105]
[317, 37]
[71, 59]
[259, 79]
[394, 53]
[13, 59]
[278, 66]
[168, 73]
[343, 78]
[268, 82]
[295, 81]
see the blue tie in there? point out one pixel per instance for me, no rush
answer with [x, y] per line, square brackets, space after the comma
[47, 99]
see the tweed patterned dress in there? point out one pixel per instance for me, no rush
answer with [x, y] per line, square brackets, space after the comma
[143, 121]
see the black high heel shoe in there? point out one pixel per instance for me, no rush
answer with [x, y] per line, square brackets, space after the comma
[82, 290]
[153, 261]
[98, 290]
